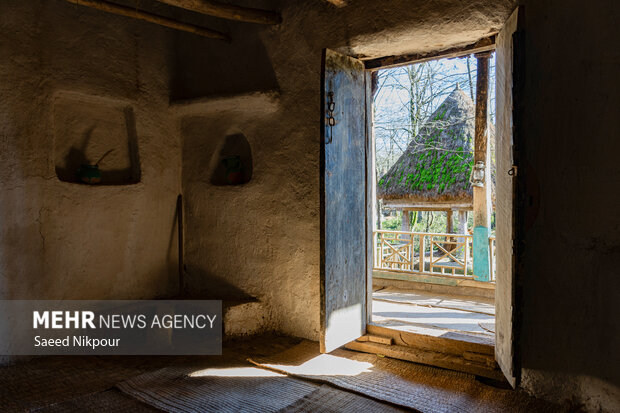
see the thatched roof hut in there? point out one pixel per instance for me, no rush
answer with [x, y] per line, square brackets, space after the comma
[433, 172]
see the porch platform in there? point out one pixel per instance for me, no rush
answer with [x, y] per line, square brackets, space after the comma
[435, 314]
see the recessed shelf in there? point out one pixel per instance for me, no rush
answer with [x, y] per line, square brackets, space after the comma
[233, 163]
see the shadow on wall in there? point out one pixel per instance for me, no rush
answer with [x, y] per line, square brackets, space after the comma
[206, 286]
[221, 68]
[233, 163]
[95, 141]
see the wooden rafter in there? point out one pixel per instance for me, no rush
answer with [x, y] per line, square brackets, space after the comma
[149, 17]
[226, 11]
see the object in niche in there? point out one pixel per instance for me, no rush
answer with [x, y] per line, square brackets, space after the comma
[232, 163]
[234, 174]
[91, 174]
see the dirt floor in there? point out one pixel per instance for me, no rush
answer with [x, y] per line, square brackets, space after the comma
[236, 382]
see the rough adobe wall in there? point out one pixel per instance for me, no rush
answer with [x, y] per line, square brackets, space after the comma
[569, 328]
[262, 239]
[571, 295]
[61, 240]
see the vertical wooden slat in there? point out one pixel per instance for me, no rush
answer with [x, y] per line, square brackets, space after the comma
[381, 246]
[411, 252]
[430, 267]
[421, 254]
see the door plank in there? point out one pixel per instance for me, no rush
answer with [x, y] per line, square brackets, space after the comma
[343, 203]
[505, 212]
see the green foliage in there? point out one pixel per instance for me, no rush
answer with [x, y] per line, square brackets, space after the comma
[392, 223]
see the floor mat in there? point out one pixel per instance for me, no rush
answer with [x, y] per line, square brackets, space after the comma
[48, 380]
[233, 389]
[327, 399]
[105, 401]
[414, 386]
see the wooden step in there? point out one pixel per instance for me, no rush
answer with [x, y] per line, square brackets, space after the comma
[457, 345]
[473, 363]
[467, 356]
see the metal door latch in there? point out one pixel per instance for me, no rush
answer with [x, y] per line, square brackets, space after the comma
[513, 171]
[331, 121]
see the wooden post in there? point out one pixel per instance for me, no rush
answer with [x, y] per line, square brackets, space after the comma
[405, 220]
[482, 194]
[462, 228]
[449, 230]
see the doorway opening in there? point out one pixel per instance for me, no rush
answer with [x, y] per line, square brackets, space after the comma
[434, 230]
[448, 179]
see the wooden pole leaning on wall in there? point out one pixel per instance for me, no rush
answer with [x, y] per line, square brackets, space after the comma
[181, 247]
[227, 11]
[149, 17]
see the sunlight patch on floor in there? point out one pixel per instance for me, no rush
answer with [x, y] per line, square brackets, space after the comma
[326, 365]
[235, 372]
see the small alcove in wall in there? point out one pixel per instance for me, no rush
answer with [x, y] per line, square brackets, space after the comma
[95, 140]
[232, 162]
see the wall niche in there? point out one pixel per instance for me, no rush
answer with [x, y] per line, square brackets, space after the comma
[95, 140]
[233, 162]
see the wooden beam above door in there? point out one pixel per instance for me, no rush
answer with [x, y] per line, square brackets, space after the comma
[484, 44]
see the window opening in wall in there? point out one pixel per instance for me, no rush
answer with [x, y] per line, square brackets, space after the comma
[434, 235]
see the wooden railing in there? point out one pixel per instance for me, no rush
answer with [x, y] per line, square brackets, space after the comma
[427, 253]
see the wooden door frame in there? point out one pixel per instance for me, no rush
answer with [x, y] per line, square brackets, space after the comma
[373, 65]
[420, 341]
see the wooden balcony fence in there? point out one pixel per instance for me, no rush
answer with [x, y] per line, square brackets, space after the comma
[428, 253]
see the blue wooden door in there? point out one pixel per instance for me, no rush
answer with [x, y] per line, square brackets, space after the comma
[343, 201]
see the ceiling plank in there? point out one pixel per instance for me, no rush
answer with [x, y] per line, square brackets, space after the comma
[149, 17]
[227, 11]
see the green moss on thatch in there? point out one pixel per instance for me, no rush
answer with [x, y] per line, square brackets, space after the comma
[437, 164]
[434, 169]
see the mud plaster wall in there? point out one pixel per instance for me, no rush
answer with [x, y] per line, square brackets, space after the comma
[262, 239]
[569, 328]
[571, 295]
[61, 240]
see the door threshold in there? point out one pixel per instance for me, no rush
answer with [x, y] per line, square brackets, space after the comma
[467, 356]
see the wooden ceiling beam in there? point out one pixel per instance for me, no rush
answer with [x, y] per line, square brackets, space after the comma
[227, 11]
[149, 17]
